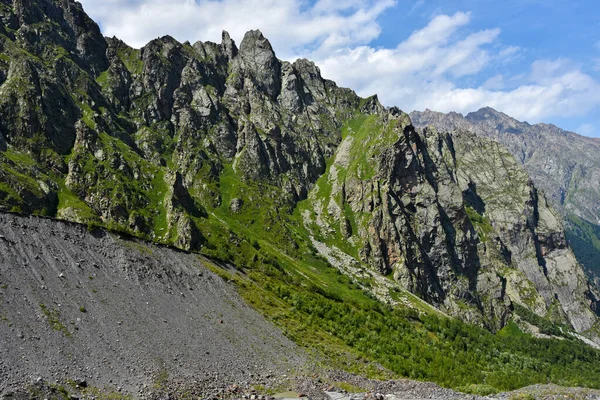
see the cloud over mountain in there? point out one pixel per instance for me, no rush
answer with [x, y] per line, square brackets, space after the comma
[447, 65]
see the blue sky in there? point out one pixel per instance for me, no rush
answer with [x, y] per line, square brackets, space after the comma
[536, 60]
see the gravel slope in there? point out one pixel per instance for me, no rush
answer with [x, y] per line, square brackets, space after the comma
[123, 313]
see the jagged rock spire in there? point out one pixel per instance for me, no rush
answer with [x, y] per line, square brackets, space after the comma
[228, 45]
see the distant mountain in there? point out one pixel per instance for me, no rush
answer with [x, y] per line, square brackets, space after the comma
[565, 165]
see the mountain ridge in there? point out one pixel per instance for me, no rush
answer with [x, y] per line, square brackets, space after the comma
[161, 142]
[322, 199]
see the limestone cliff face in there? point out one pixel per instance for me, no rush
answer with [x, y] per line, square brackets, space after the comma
[196, 145]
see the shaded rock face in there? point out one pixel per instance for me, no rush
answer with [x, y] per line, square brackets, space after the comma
[452, 218]
[172, 141]
[566, 166]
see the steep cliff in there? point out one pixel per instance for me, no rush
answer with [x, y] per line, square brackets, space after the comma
[563, 164]
[450, 217]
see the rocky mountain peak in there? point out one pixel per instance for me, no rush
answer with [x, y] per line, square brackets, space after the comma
[255, 42]
[496, 120]
[228, 46]
[444, 122]
[260, 62]
[488, 112]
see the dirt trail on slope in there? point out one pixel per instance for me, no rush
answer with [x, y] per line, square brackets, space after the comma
[123, 314]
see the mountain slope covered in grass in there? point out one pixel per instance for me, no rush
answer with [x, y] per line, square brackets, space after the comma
[389, 251]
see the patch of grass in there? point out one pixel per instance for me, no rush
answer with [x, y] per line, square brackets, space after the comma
[511, 329]
[69, 200]
[482, 224]
[105, 394]
[131, 58]
[62, 392]
[264, 390]
[479, 389]
[19, 158]
[53, 318]
[87, 114]
[161, 380]
[349, 387]
[8, 196]
[5, 320]
[103, 79]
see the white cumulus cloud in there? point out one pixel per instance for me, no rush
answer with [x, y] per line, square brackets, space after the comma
[446, 65]
[291, 26]
[423, 71]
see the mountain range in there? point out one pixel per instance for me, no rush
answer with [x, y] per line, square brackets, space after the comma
[383, 246]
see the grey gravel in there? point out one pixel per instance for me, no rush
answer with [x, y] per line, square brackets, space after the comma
[130, 315]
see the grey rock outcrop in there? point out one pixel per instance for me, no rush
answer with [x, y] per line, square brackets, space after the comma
[258, 61]
[565, 165]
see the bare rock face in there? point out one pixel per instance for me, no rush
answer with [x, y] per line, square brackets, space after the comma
[563, 164]
[258, 61]
[527, 231]
[180, 208]
[228, 46]
[453, 218]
